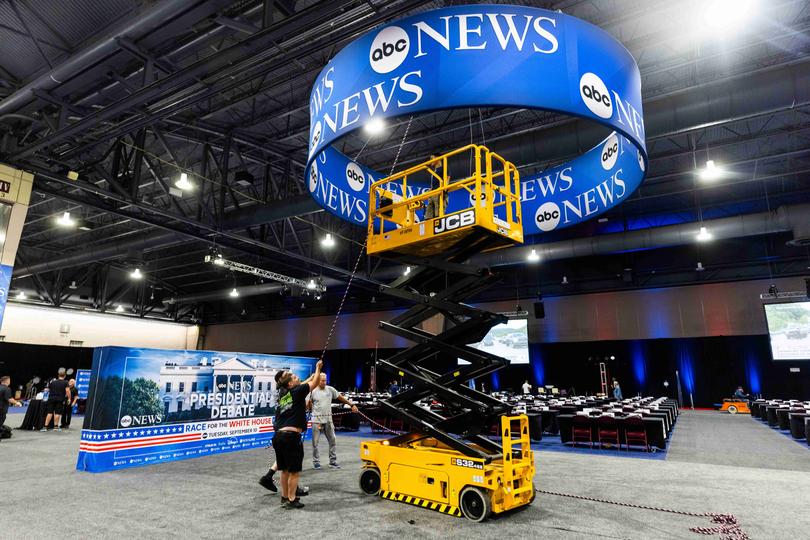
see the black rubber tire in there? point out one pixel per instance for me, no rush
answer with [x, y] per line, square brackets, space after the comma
[474, 504]
[732, 409]
[370, 481]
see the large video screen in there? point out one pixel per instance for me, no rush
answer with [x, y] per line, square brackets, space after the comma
[789, 329]
[509, 340]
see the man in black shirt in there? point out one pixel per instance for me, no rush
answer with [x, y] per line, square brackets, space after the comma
[58, 393]
[289, 423]
[6, 397]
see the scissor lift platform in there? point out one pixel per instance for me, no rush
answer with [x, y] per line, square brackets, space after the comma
[446, 462]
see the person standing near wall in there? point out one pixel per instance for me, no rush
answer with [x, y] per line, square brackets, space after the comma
[6, 399]
[527, 388]
[617, 390]
[320, 400]
[74, 397]
[58, 393]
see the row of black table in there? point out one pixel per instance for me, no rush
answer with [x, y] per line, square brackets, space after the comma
[792, 415]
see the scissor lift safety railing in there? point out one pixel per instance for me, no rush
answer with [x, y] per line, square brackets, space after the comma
[398, 219]
[439, 284]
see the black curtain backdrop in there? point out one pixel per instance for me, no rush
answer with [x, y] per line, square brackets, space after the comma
[710, 368]
[22, 361]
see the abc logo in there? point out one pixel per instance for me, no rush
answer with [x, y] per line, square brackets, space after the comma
[126, 421]
[316, 137]
[313, 177]
[595, 95]
[389, 49]
[610, 152]
[640, 160]
[473, 198]
[355, 176]
[547, 216]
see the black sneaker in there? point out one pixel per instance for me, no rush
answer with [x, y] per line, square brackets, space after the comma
[302, 491]
[267, 483]
[295, 503]
[284, 502]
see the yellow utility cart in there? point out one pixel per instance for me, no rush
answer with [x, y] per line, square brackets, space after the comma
[447, 460]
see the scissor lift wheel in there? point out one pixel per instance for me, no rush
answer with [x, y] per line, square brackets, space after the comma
[370, 481]
[475, 503]
[732, 409]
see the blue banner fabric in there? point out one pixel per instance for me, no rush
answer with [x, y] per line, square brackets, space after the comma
[485, 56]
[5, 283]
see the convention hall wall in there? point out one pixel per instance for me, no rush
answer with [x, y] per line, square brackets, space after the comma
[713, 334]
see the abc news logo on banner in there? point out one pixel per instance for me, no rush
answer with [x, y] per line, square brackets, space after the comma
[389, 49]
[547, 216]
[595, 95]
[144, 420]
[355, 177]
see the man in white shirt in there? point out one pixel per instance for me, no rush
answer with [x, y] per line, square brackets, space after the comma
[320, 400]
[527, 388]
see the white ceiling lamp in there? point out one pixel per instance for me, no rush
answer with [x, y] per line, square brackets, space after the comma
[311, 285]
[704, 235]
[711, 172]
[66, 220]
[407, 270]
[375, 126]
[234, 293]
[119, 308]
[317, 297]
[218, 260]
[564, 281]
[136, 274]
[21, 296]
[327, 241]
[726, 14]
[533, 257]
[699, 267]
[183, 183]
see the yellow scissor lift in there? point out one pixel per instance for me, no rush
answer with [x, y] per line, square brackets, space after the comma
[447, 462]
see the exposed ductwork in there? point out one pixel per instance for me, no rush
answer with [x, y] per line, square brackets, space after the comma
[239, 219]
[784, 219]
[88, 57]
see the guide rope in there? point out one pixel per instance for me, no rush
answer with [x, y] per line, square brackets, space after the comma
[360, 255]
[728, 526]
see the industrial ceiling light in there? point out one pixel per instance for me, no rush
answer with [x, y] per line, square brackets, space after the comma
[407, 270]
[711, 172]
[317, 297]
[234, 293]
[119, 308]
[704, 235]
[183, 183]
[533, 257]
[328, 241]
[66, 220]
[564, 281]
[21, 296]
[375, 126]
[72, 286]
[699, 267]
[218, 260]
[136, 274]
[726, 14]
[311, 285]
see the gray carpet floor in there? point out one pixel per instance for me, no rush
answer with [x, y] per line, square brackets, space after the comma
[217, 496]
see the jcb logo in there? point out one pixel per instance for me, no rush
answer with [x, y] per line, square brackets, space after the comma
[389, 49]
[449, 223]
[355, 176]
[595, 95]
[610, 152]
[547, 216]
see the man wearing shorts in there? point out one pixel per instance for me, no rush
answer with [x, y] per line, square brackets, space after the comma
[289, 424]
[58, 394]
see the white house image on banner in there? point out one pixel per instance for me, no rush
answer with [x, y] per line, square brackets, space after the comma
[178, 382]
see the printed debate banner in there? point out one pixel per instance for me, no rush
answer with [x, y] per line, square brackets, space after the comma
[149, 406]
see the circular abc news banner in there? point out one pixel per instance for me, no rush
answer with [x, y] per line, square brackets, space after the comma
[484, 56]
